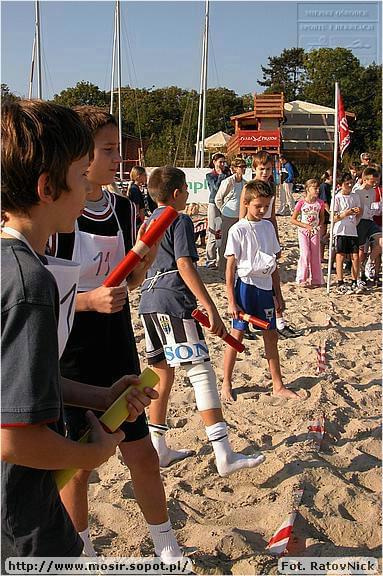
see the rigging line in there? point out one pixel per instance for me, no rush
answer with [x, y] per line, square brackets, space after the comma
[124, 30]
[214, 60]
[47, 73]
[108, 71]
[113, 60]
[181, 130]
[189, 126]
[30, 93]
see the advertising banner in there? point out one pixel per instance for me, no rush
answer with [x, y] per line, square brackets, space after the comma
[269, 138]
[196, 179]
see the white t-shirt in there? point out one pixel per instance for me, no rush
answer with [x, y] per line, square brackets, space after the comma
[254, 246]
[346, 226]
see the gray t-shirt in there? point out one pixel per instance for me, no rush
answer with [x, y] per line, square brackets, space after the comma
[34, 521]
[167, 293]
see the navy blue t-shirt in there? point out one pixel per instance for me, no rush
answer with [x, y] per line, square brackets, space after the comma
[168, 294]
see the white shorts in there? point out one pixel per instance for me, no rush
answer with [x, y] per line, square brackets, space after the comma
[176, 340]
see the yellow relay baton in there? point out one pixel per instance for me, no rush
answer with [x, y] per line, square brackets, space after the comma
[112, 419]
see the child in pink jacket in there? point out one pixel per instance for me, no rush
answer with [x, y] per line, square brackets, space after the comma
[308, 215]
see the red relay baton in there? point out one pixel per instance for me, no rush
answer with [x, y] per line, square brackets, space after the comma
[141, 248]
[204, 320]
[254, 320]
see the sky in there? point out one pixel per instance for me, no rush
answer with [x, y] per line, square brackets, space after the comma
[161, 41]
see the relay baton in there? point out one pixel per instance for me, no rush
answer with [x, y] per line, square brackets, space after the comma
[229, 339]
[141, 248]
[112, 418]
[254, 320]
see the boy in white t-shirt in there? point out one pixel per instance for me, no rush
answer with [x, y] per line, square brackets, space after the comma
[346, 209]
[251, 251]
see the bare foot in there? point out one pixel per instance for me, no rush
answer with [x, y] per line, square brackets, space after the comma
[286, 393]
[227, 394]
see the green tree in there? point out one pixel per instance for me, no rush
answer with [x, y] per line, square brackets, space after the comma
[221, 103]
[248, 102]
[366, 103]
[83, 94]
[7, 95]
[285, 73]
[326, 66]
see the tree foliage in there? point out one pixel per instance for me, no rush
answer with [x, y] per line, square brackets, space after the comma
[316, 73]
[285, 73]
[83, 94]
[167, 117]
[6, 94]
[326, 66]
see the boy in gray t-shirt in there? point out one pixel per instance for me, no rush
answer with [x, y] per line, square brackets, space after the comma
[173, 337]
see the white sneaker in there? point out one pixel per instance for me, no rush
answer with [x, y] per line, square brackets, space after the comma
[342, 289]
[361, 287]
[370, 270]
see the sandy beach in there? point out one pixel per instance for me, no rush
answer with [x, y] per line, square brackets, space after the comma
[230, 520]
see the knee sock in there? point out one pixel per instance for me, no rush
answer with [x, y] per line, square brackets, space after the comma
[228, 461]
[88, 546]
[166, 455]
[165, 543]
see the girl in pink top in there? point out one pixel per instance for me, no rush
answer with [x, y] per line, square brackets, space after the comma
[308, 215]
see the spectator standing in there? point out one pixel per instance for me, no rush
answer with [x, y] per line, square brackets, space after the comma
[287, 203]
[365, 160]
[227, 201]
[325, 194]
[214, 178]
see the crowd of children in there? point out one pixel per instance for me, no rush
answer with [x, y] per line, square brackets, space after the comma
[58, 214]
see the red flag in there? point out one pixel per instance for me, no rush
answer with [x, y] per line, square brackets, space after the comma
[344, 132]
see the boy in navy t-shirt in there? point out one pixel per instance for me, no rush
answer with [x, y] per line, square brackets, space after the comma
[173, 337]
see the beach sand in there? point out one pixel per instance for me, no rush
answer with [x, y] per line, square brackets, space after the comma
[230, 520]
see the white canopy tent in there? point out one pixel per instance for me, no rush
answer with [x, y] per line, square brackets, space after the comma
[217, 141]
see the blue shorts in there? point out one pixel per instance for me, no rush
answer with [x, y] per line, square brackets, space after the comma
[254, 301]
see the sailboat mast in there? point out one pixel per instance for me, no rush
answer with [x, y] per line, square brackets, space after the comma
[202, 162]
[38, 50]
[198, 145]
[113, 61]
[199, 154]
[118, 15]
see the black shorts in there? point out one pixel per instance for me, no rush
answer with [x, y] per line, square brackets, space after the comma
[346, 245]
[367, 229]
[76, 424]
[176, 340]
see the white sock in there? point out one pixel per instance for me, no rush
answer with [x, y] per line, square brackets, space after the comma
[166, 455]
[281, 323]
[88, 546]
[226, 460]
[165, 543]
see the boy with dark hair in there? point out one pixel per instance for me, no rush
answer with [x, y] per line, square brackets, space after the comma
[251, 253]
[45, 157]
[173, 337]
[101, 346]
